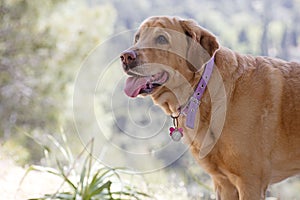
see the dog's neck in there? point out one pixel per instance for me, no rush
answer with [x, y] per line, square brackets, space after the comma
[223, 76]
[172, 100]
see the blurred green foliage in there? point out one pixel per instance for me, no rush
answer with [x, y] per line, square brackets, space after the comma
[258, 27]
[25, 92]
[42, 44]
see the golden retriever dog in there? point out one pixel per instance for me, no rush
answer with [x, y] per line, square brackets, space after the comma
[245, 129]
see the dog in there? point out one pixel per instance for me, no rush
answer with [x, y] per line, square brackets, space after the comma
[245, 129]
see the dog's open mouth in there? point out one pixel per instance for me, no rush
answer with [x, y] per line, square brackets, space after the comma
[136, 85]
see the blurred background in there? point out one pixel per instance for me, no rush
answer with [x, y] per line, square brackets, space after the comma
[45, 45]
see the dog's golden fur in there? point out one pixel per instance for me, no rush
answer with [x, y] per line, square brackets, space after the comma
[259, 142]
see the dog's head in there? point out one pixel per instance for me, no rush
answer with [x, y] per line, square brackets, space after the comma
[166, 55]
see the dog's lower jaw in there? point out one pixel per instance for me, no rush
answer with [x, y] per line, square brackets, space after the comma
[166, 100]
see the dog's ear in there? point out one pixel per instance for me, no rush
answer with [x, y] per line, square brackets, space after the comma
[202, 44]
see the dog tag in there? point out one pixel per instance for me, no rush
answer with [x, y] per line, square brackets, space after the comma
[176, 134]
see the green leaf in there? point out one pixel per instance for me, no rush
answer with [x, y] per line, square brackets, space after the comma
[98, 180]
[82, 178]
[40, 169]
[62, 173]
[60, 147]
[106, 185]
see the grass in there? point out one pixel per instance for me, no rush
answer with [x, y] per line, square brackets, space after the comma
[90, 182]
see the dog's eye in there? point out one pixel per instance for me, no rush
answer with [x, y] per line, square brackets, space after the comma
[136, 38]
[161, 40]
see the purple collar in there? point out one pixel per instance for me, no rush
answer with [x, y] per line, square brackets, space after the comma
[190, 110]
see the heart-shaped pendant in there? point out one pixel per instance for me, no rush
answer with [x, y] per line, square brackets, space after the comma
[176, 134]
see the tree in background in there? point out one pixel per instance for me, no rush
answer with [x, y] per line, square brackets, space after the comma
[24, 54]
[42, 44]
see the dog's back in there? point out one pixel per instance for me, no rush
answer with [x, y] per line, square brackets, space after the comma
[287, 158]
[274, 85]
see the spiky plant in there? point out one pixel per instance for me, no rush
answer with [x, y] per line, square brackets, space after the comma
[91, 182]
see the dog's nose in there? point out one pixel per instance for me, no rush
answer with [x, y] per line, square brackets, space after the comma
[127, 58]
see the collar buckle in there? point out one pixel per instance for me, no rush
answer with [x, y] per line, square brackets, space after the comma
[195, 100]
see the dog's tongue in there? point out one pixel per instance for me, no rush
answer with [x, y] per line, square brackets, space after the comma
[134, 85]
